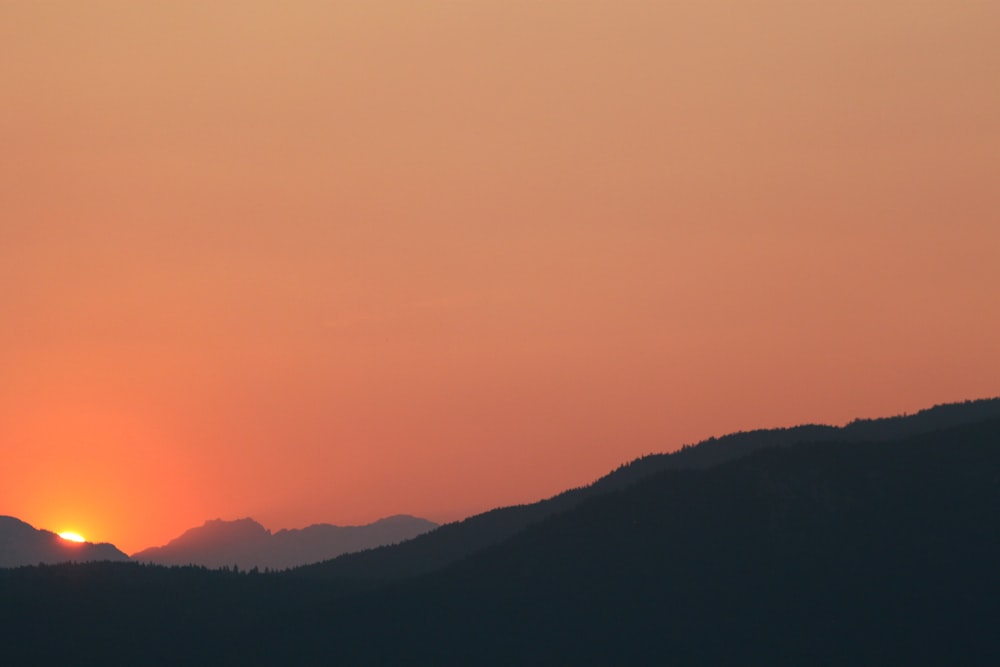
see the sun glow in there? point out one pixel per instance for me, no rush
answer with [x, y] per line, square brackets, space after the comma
[72, 537]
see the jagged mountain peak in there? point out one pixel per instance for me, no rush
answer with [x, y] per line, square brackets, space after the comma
[248, 544]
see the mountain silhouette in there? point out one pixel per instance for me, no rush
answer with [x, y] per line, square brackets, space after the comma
[246, 544]
[865, 552]
[23, 544]
[454, 541]
[839, 553]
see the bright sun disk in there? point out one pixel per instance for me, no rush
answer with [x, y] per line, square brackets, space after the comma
[72, 537]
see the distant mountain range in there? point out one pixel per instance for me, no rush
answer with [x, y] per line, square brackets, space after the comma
[23, 544]
[246, 544]
[243, 543]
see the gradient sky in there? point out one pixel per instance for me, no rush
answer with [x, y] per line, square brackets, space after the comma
[320, 260]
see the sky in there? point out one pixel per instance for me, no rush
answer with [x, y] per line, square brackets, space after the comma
[328, 261]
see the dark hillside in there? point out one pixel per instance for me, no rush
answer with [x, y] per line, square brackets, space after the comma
[452, 542]
[835, 553]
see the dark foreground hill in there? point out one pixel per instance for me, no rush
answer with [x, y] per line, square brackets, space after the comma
[247, 544]
[852, 553]
[23, 544]
[452, 542]
[845, 553]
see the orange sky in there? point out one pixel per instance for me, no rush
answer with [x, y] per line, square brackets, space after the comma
[329, 261]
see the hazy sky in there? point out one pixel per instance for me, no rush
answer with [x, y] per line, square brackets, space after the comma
[325, 260]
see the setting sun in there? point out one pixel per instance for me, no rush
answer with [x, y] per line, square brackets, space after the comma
[72, 537]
